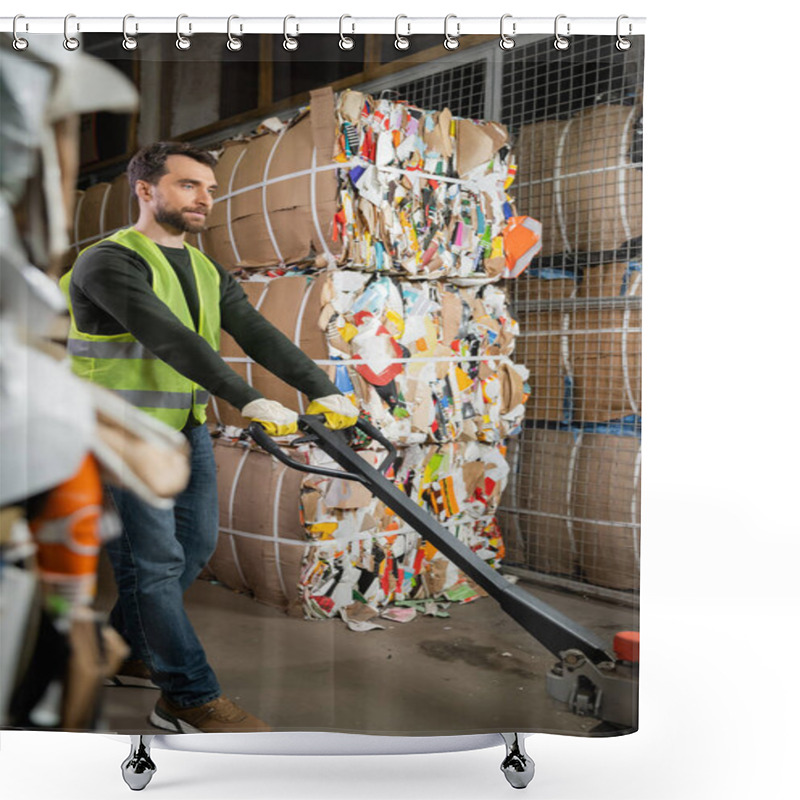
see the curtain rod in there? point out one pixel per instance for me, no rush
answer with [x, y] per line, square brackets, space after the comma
[453, 25]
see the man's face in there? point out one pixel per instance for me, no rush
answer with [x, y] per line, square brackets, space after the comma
[183, 197]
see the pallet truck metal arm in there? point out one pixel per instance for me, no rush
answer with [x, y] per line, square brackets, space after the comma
[584, 657]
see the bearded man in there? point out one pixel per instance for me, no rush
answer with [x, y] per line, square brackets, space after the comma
[146, 314]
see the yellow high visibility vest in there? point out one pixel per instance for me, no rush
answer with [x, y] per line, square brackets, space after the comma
[124, 365]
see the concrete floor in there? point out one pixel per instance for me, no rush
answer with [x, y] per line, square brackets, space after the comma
[476, 671]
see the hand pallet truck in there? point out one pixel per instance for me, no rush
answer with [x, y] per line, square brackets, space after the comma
[589, 677]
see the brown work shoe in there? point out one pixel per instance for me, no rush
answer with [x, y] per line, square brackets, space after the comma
[133, 672]
[220, 715]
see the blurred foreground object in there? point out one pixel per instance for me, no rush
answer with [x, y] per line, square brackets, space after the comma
[62, 438]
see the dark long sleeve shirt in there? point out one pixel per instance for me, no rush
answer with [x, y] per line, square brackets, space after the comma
[111, 291]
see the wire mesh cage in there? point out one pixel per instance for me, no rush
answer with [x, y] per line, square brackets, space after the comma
[573, 507]
[571, 511]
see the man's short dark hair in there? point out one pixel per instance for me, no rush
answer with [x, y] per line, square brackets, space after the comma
[150, 163]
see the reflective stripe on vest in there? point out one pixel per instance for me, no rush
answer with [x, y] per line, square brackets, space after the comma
[86, 349]
[150, 399]
[122, 364]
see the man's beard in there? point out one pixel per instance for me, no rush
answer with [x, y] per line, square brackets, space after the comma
[175, 219]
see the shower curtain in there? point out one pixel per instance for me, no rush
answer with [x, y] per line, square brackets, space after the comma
[453, 236]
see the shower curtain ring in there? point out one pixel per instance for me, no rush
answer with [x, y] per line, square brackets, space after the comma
[346, 42]
[19, 43]
[182, 42]
[506, 40]
[450, 41]
[401, 42]
[622, 43]
[561, 42]
[70, 42]
[129, 42]
[290, 43]
[234, 43]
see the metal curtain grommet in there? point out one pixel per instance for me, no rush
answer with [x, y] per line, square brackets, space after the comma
[128, 42]
[346, 42]
[19, 43]
[234, 44]
[506, 41]
[182, 42]
[561, 42]
[70, 42]
[401, 42]
[290, 43]
[451, 42]
[622, 43]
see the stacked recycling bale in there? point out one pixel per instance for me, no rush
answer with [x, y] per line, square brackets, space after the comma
[99, 211]
[407, 319]
[364, 554]
[426, 360]
[372, 233]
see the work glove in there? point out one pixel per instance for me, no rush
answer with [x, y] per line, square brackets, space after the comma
[277, 420]
[338, 410]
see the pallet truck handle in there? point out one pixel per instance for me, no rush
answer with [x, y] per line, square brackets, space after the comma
[264, 440]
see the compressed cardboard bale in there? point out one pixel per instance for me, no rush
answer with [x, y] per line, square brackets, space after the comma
[607, 347]
[99, 211]
[544, 539]
[543, 353]
[577, 177]
[262, 540]
[292, 304]
[536, 147]
[90, 215]
[607, 364]
[618, 279]
[278, 194]
[543, 347]
[216, 239]
[399, 207]
[606, 509]
[122, 208]
[602, 190]
[71, 253]
[426, 359]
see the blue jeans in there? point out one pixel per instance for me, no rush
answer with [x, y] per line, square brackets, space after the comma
[155, 560]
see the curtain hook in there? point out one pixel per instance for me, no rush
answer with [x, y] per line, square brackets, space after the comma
[451, 42]
[561, 42]
[234, 43]
[129, 42]
[182, 42]
[19, 43]
[622, 43]
[401, 42]
[289, 43]
[506, 41]
[70, 42]
[346, 42]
